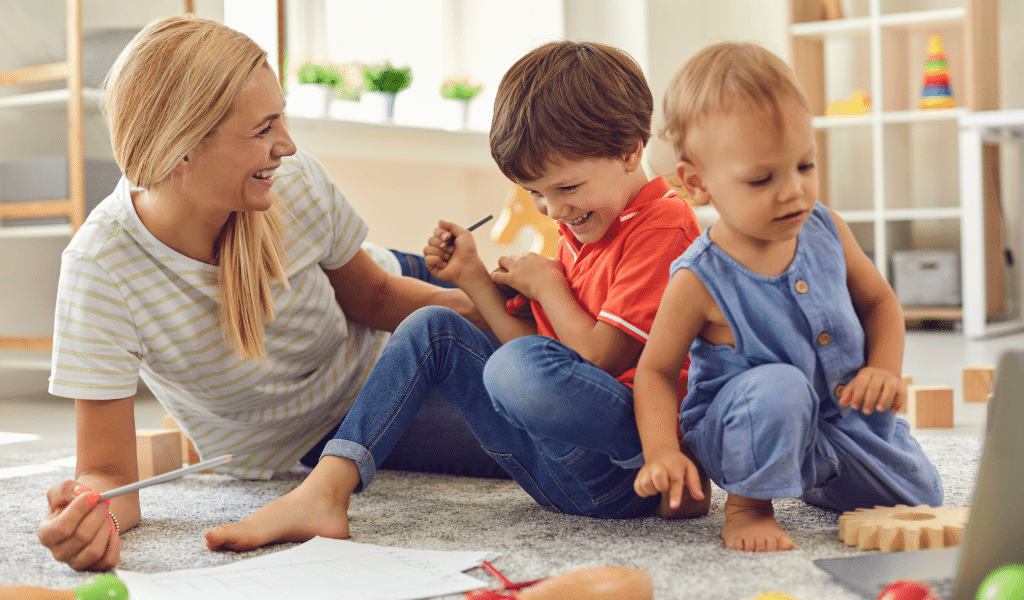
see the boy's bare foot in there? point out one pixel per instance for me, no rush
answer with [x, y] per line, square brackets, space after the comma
[750, 526]
[691, 507]
[315, 508]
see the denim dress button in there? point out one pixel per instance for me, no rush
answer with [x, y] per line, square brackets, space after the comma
[801, 287]
[824, 339]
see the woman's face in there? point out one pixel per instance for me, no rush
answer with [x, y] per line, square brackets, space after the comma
[233, 167]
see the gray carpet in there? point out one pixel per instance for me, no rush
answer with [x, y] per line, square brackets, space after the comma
[686, 559]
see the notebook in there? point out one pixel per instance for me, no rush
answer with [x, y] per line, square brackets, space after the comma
[995, 530]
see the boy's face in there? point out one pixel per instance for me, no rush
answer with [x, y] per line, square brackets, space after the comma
[760, 178]
[586, 194]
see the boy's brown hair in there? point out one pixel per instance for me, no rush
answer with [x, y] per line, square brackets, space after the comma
[568, 100]
[720, 77]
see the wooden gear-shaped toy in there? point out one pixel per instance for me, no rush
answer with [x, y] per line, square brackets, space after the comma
[902, 527]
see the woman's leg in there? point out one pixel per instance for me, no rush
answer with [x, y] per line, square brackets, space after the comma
[583, 448]
[433, 346]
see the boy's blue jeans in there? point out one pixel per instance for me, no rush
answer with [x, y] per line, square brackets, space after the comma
[560, 426]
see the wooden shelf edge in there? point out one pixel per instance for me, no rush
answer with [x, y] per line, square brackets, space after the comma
[35, 74]
[35, 209]
[936, 313]
[34, 343]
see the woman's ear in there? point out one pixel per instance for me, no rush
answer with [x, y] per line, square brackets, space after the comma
[692, 183]
[184, 165]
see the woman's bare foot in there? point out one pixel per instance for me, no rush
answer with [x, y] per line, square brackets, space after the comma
[750, 526]
[318, 507]
[690, 507]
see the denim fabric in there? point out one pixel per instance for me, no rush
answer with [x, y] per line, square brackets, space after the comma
[577, 466]
[413, 265]
[779, 432]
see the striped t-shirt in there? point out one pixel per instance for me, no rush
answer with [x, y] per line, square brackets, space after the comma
[128, 305]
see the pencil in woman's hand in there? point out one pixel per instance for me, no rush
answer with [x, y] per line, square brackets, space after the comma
[138, 485]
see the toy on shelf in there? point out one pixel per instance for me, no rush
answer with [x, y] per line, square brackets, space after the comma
[930, 406]
[902, 527]
[1004, 583]
[936, 92]
[519, 213]
[908, 589]
[857, 104]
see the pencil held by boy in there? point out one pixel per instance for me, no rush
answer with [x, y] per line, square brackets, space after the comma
[795, 338]
[553, 404]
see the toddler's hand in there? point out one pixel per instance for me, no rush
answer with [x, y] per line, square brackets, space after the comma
[668, 473]
[873, 389]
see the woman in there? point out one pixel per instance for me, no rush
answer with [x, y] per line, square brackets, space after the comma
[226, 269]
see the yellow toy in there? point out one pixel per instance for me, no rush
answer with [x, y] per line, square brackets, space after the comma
[519, 212]
[936, 92]
[902, 527]
[857, 104]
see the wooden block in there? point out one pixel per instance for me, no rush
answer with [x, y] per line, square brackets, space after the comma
[930, 406]
[978, 383]
[901, 398]
[188, 449]
[159, 451]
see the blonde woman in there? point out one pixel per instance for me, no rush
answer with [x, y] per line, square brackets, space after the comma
[226, 269]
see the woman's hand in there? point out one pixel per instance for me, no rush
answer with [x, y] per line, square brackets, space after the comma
[78, 529]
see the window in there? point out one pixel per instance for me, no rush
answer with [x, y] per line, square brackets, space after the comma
[476, 40]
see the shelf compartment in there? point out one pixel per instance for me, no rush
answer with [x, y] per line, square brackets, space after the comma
[940, 17]
[922, 172]
[35, 74]
[846, 179]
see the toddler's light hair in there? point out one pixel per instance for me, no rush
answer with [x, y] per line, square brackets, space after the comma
[720, 78]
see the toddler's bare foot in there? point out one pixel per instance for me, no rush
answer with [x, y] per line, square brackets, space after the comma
[690, 507]
[310, 510]
[750, 526]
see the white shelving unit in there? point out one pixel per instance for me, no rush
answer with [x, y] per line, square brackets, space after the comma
[893, 173]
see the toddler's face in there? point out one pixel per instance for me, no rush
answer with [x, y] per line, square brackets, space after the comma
[761, 178]
[586, 194]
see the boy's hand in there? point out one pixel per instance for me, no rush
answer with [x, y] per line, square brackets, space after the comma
[873, 389]
[529, 273]
[667, 473]
[451, 254]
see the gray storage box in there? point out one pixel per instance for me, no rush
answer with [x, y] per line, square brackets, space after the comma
[47, 179]
[926, 277]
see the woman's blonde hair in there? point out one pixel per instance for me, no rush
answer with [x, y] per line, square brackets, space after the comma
[169, 89]
[721, 77]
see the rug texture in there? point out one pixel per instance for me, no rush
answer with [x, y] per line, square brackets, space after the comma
[686, 559]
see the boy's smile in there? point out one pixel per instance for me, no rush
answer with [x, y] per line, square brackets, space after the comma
[587, 195]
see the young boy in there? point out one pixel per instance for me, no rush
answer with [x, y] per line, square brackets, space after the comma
[554, 409]
[797, 340]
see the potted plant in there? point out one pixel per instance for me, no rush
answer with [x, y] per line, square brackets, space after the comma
[322, 78]
[461, 90]
[388, 80]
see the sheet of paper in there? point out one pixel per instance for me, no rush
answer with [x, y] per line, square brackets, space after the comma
[320, 568]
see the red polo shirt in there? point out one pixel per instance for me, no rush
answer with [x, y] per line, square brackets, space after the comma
[620, 278]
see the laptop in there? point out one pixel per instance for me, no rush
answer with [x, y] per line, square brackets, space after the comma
[995, 530]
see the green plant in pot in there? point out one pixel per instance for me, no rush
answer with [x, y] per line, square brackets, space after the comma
[388, 80]
[462, 90]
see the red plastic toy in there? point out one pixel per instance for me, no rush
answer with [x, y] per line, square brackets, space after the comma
[908, 589]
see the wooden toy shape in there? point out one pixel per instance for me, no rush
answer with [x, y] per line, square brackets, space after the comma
[832, 9]
[930, 406]
[519, 212]
[159, 451]
[901, 399]
[857, 104]
[908, 589]
[902, 527]
[978, 383]
[188, 450]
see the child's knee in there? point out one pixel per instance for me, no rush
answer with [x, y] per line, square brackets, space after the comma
[776, 392]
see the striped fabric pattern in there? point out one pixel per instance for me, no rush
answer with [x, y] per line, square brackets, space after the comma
[128, 305]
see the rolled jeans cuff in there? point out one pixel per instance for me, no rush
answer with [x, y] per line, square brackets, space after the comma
[356, 453]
